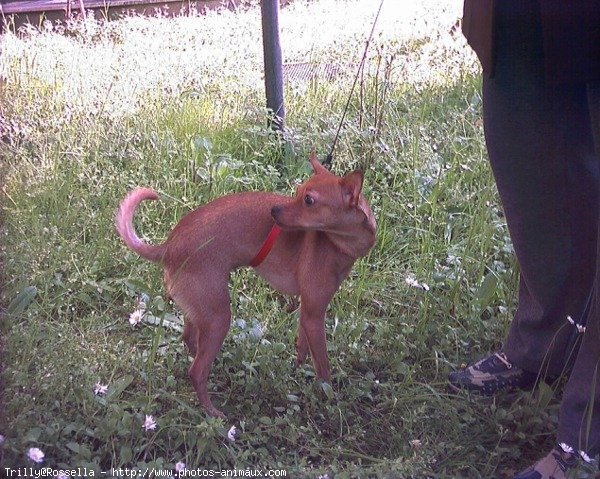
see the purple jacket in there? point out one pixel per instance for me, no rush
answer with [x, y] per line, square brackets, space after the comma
[571, 35]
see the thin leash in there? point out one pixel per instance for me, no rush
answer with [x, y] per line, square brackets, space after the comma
[276, 230]
[329, 158]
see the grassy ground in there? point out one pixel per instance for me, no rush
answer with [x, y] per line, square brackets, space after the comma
[89, 111]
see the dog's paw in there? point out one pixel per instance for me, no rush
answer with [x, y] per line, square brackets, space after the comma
[214, 412]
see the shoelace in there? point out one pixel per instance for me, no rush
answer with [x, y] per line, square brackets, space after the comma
[503, 359]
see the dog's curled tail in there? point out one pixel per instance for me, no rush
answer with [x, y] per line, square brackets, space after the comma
[124, 224]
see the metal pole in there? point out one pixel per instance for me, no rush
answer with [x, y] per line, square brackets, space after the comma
[273, 63]
[82, 9]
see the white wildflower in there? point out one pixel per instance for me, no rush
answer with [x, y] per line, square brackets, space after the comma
[413, 283]
[100, 389]
[136, 317]
[585, 457]
[566, 448]
[149, 423]
[180, 467]
[416, 443]
[35, 454]
[580, 327]
[231, 433]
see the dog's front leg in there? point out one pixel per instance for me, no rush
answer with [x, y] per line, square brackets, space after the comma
[312, 325]
[301, 347]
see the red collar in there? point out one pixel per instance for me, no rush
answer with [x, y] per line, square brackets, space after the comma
[266, 246]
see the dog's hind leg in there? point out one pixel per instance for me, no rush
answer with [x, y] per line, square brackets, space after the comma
[190, 337]
[207, 308]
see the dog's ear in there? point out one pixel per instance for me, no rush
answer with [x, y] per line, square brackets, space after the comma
[351, 186]
[318, 168]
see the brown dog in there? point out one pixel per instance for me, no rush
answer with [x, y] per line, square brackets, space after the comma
[324, 229]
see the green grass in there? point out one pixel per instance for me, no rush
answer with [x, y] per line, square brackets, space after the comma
[90, 111]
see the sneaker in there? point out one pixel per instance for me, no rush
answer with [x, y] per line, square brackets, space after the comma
[490, 375]
[555, 465]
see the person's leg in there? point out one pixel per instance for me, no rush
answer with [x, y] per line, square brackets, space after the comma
[578, 435]
[579, 423]
[542, 154]
[541, 151]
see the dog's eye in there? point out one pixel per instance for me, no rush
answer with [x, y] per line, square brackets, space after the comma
[309, 200]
